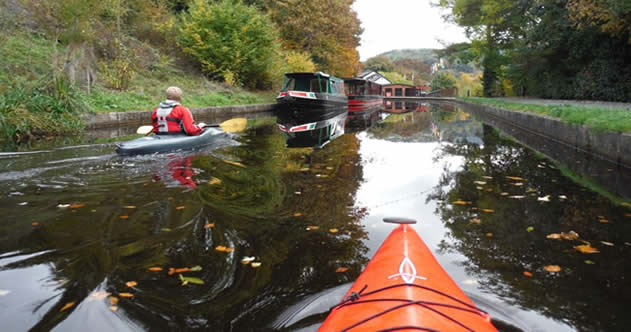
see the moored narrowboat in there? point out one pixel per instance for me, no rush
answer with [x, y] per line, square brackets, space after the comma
[363, 95]
[312, 94]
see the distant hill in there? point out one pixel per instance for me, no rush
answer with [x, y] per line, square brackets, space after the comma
[426, 55]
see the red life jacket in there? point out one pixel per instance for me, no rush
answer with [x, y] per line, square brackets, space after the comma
[162, 121]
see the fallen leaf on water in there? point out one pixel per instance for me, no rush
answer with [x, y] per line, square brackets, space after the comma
[628, 215]
[603, 221]
[341, 269]
[166, 229]
[516, 178]
[196, 268]
[63, 206]
[518, 184]
[255, 264]
[489, 234]
[297, 214]
[626, 204]
[170, 198]
[233, 163]
[297, 193]
[182, 270]
[488, 210]
[475, 221]
[590, 262]
[125, 294]
[77, 205]
[113, 300]
[586, 249]
[113, 308]
[528, 274]
[67, 306]
[192, 280]
[487, 177]
[305, 169]
[489, 189]
[459, 202]
[479, 188]
[129, 207]
[552, 268]
[554, 236]
[247, 260]
[180, 207]
[517, 196]
[544, 198]
[155, 269]
[479, 182]
[607, 243]
[504, 194]
[98, 295]
[131, 283]
[333, 230]
[601, 217]
[312, 228]
[213, 181]
[562, 197]
[224, 249]
[124, 217]
[531, 190]
[530, 229]
[35, 223]
[209, 225]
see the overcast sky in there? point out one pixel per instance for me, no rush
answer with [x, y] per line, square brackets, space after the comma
[402, 24]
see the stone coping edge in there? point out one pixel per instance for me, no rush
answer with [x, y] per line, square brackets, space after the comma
[612, 146]
[115, 119]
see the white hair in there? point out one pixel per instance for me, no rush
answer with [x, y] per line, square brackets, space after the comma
[174, 93]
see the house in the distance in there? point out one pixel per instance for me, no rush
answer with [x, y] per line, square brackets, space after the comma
[374, 76]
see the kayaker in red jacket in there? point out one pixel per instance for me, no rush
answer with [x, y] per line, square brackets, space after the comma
[171, 117]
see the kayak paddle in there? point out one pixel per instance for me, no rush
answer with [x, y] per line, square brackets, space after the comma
[231, 126]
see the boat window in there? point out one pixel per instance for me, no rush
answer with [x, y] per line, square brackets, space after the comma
[289, 84]
[398, 92]
[319, 85]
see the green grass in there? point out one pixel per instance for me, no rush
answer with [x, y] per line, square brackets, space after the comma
[601, 119]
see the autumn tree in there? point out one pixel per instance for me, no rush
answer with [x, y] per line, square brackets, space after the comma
[231, 41]
[442, 80]
[611, 16]
[328, 30]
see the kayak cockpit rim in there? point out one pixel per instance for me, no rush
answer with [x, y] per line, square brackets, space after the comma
[399, 220]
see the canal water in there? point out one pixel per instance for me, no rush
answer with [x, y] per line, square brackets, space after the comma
[94, 241]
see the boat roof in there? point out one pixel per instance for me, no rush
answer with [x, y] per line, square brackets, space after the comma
[319, 73]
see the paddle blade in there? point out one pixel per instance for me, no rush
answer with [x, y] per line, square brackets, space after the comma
[144, 130]
[234, 125]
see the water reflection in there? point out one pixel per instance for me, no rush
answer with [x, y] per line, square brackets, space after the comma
[404, 106]
[81, 222]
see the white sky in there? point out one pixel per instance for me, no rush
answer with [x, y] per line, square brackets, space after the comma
[402, 24]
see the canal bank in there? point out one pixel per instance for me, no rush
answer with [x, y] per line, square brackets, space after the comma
[611, 146]
[121, 119]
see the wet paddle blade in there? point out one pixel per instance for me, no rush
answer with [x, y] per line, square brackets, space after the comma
[234, 125]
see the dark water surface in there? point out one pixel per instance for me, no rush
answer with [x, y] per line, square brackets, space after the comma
[79, 223]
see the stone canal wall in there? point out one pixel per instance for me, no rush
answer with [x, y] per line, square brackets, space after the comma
[612, 146]
[118, 119]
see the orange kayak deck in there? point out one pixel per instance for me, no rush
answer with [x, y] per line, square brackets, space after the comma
[404, 288]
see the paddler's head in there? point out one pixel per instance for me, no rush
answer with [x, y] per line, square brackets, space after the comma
[174, 93]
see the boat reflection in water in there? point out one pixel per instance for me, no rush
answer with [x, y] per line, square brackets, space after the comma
[404, 106]
[364, 120]
[311, 109]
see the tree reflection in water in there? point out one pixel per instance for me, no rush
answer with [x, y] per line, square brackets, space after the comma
[501, 245]
[267, 197]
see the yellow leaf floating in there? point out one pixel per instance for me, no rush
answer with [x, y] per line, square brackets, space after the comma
[459, 202]
[214, 181]
[312, 228]
[297, 214]
[488, 210]
[554, 236]
[341, 269]
[607, 243]
[475, 221]
[528, 274]
[247, 260]
[233, 163]
[479, 182]
[571, 236]
[155, 269]
[489, 234]
[255, 264]
[586, 249]
[515, 178]
[35, 224]
[181, 207]
[603, 221]
[124, 217]
[77, 205]
[552, 268]
[209, 225]
[67, 306]
[113, 300]
[333, 230]
[125, 294]
[113, 308]
[628, 215]
[131, 283]
[129, 207]
[99, 295]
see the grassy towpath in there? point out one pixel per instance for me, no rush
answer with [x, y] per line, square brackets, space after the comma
[601, 116]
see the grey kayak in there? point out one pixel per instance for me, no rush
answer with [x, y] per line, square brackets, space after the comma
[166, 143]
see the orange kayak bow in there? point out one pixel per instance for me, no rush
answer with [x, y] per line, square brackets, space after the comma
[404, 288]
